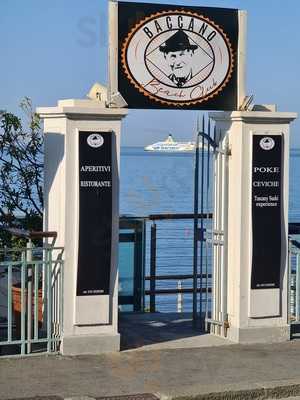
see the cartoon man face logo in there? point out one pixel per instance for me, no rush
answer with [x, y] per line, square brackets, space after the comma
[178, 53]
[177, 57]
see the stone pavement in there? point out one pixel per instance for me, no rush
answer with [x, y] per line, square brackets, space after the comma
[225, 372]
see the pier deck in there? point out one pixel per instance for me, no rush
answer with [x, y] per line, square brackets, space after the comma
[160, 331]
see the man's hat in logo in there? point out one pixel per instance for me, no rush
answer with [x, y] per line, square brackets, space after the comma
[179, 41]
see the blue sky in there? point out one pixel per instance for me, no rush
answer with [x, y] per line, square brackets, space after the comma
[58, 49]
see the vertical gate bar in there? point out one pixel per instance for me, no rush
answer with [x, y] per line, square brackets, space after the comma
[53, 303]
[57, 291]
[144, 263]
[202, 232]
[138, 265]
[36, 300]
[53, 309]
[214, 245]
[206, 224]
[216, 248]
[58, 303]
[179, 297]
[225, 236]
[221, 236]
[9, 303]
[23, 306]
[49, 300]
[153, 268]
[289, 280]
[220, 239]
[61, 302]
[297, 287]
[44, 284]
[29, 294]
[213, 236]
[213, 263]
[196, 212]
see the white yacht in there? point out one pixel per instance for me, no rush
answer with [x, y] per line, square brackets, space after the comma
[170, 145]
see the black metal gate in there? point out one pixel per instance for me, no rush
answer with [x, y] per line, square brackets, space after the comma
[210, 234]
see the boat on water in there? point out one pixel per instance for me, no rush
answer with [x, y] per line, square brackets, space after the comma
[170, 145]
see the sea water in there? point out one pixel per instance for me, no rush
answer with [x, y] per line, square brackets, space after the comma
[155, 183]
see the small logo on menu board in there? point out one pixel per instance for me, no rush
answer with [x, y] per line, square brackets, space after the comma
[267, 143]
[178, 57]
[95, 140]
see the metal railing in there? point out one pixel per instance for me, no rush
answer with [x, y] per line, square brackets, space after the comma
[31, 291]
[170, 276]
[294, 281]
[162, 257]
[132, 263]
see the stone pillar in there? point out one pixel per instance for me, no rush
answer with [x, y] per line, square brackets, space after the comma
[90, 322]
[257, 308]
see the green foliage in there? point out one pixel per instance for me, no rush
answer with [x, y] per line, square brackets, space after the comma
[21, 172]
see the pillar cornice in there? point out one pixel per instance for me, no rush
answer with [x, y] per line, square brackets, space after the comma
[254, 117]
[80, 109]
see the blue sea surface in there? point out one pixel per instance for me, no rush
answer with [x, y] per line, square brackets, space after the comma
[153, 183]
[163, 183]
